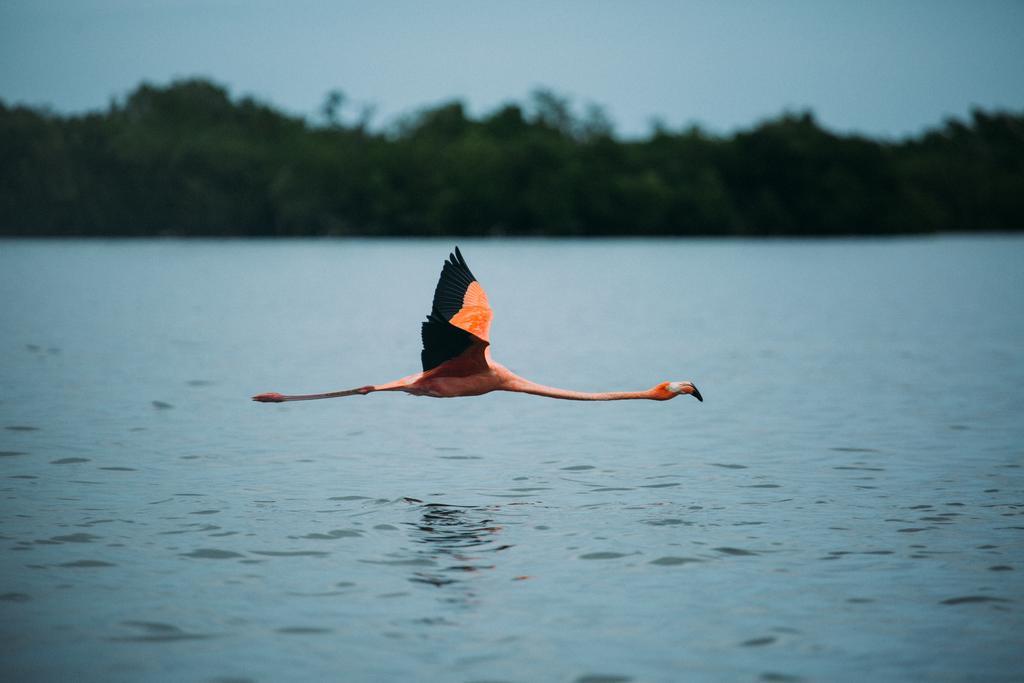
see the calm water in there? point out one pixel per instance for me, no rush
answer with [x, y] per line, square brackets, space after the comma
[847, 504]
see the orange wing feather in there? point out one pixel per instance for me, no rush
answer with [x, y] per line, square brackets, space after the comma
[475, 315]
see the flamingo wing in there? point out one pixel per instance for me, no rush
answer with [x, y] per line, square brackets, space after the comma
[459, 317]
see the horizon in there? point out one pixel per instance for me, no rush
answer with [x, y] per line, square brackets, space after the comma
[722, 68]
[317, 119]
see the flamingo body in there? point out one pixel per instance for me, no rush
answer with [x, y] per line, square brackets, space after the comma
[456, 354]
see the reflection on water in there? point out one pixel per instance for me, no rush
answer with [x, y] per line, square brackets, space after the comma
[453, 538]
[846, 505]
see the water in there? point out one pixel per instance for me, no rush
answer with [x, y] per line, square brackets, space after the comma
[845, 505]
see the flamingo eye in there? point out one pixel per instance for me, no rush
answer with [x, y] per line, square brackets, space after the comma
[675, 387]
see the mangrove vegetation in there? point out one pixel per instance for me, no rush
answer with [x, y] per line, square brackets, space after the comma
[189, 159]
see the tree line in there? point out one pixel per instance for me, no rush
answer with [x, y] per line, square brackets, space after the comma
[188, 159]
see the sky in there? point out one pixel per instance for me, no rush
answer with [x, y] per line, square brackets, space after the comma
[876, 67]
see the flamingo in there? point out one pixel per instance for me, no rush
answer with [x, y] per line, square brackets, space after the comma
[456, 354]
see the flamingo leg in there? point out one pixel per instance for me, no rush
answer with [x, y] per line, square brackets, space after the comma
[397, 385]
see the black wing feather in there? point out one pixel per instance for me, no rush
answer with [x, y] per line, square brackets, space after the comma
[452, 285]
[443, 341]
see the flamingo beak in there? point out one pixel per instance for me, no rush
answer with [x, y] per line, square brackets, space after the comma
[696, 393]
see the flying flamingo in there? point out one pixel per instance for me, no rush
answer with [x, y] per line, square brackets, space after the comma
[457, 356]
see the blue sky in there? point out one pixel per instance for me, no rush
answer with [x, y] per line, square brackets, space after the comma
[876, 67]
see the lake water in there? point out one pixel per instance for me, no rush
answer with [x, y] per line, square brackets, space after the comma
[846, 505]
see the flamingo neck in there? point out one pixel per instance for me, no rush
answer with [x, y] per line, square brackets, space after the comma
[527, 387]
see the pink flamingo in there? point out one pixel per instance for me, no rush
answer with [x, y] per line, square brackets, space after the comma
[457, 355]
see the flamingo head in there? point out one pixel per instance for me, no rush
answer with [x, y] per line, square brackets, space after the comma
[676, 388]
